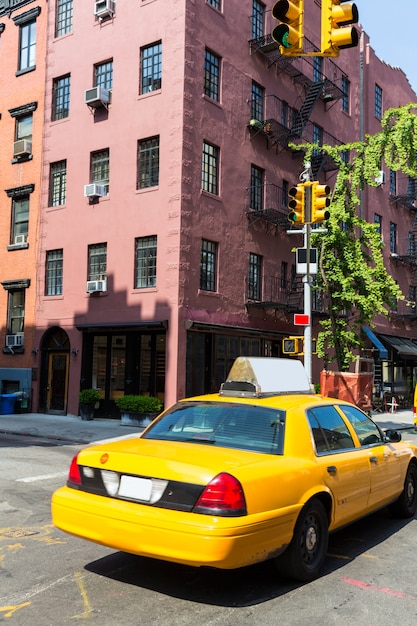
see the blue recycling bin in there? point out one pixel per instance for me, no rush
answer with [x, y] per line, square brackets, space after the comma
[7, 402]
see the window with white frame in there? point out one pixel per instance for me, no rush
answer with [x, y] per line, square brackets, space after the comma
[148, 163]
[100, 168]
[212, 75]
[63, 13]
[57, 183]
[53, 272]
[150, 67]
[210, 168]
[61, 97]
[103, 75]
[27, 46]
[208, 265]
[255, 277]
[257, 19]
[145, 262]
[97, 261]
[257, 176]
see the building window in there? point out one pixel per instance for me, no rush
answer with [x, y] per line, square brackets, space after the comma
[151, 68]
[215, 3]
[411, 189]
[148, 163]
[20, 219]
[284, 275]
[103, 75]
[284, 114]
[100, 168]
[257, 102]
[255, 277]
[411, 244]
[24, 126]
[258, 20]
[345, 95]
[61, 97]
[145, 262]
[210, 169]
[63, 17]
[57, 183]
[208, 265]
[257, 176]
[212, 76]
[16, 311]
[393, 183]
[378, 223]
[378, 102]
[393, 238]
[53, 278]
[284, 196]
[317, 69]
[27, 46]
[97, 261]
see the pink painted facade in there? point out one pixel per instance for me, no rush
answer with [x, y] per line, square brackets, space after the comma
[190, 231]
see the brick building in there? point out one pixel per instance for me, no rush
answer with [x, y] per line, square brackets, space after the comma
[161, 251]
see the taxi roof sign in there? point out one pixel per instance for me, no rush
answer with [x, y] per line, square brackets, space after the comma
[261, 376]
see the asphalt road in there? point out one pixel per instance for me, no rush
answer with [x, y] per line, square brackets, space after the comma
[49, 578]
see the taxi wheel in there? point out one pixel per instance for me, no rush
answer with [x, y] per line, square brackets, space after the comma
[305, 555]
[406, 505]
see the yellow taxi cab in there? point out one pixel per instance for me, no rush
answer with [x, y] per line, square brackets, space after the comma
[264, 469]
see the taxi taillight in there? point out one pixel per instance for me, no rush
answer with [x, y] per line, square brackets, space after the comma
[74, 475]
[222, 496]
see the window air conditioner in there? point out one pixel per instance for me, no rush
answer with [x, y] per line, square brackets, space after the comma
[23, 147]
[380, 179]
[94, 191]
[19, 239]
[104, 8]
[94, 286]
[14, 340]
[96, 97]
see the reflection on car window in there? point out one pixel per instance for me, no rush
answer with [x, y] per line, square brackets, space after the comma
[330, 433]
[227, 425]
[368, 432]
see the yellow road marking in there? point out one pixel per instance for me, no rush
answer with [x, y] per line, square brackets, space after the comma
[12, 609]
[87, 606]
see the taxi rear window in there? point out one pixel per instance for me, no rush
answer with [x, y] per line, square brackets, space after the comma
[226, 425]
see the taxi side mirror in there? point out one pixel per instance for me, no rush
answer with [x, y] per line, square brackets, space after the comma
[392, 435]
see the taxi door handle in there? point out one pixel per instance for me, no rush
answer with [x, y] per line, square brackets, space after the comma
[332, 469]
[373, 459]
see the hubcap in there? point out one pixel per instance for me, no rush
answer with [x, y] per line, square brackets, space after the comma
[311, 538]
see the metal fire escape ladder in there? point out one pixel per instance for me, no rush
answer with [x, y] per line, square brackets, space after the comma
[307, 107]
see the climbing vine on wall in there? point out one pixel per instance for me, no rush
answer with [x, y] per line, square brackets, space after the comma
[353, 279]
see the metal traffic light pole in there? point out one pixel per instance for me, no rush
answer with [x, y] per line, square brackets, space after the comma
[306, 175]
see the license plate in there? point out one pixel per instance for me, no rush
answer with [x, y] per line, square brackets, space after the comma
[136, 488]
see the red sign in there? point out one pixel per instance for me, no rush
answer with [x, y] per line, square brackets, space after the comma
[301, 319]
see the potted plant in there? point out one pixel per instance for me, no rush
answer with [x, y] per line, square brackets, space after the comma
[88, 398]
[138, 410]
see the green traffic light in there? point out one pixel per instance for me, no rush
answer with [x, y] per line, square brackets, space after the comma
[292, 216]
[281, 34]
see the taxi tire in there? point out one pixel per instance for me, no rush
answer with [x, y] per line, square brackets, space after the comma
[306, 553]
[406, 504]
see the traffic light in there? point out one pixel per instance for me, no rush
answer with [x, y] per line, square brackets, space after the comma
[297, 204]
[319, 202]
[292, 345]
[289, 34]
[336, 15]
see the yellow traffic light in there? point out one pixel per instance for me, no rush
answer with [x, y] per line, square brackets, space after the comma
[289, 34]
[296, 204]
[336, 15]
[319, 202]
[292, 345]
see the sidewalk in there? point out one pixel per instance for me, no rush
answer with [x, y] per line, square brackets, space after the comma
[72, 429]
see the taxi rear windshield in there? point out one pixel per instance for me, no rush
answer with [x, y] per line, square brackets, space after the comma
[227, 425]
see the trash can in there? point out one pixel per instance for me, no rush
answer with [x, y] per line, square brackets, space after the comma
[7, 402]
